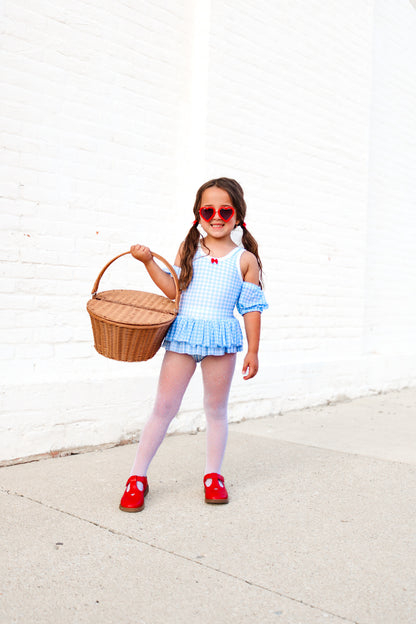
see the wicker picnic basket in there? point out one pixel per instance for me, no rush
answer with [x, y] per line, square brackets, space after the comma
[129, 325]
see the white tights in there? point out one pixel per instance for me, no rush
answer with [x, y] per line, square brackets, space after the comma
[175, 375]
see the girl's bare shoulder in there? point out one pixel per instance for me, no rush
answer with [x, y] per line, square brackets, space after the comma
[249, 267]
[179, 254]
[248, 259]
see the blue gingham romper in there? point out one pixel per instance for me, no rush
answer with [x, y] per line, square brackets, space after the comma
[205, 324]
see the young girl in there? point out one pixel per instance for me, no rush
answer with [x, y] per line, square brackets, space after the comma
[215, 275]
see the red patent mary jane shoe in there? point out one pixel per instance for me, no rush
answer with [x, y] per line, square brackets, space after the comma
[215, 491]
[133, 497]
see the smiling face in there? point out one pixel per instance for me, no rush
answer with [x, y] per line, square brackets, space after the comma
[216, 198]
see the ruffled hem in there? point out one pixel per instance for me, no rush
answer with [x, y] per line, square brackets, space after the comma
[184, 347]
[224, 335]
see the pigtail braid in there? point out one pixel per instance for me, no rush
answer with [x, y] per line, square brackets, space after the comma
[189, 247]
[250, 243]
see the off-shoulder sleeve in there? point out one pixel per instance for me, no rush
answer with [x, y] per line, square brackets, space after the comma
[251, 299]
[177, 270]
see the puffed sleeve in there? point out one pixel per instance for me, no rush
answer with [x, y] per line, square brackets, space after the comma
[251, 299]
[177, 270]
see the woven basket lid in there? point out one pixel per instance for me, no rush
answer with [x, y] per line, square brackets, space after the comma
[132, 307]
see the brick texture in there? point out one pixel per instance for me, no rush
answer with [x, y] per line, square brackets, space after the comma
[113, 114]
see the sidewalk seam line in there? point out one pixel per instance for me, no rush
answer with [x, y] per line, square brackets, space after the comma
[169, 552]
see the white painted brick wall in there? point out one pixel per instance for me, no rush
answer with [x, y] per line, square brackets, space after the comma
[389, 324]
[111, 116]
[304, 82]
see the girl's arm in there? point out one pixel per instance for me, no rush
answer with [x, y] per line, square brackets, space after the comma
[252, 323]
[252, 320]
[163, 280]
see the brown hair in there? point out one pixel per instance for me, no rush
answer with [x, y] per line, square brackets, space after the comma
[193, 237]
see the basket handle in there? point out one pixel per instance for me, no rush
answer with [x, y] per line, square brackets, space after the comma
[170, 267]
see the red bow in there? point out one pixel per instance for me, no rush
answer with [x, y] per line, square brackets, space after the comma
[214, 260]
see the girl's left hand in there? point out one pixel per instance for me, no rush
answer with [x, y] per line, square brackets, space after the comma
[250, 365]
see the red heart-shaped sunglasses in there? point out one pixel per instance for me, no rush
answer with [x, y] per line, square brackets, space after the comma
[224, 212]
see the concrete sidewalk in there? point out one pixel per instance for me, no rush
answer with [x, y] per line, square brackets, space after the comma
[320, 527]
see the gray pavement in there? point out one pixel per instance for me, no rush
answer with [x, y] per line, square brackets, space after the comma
[320, 528]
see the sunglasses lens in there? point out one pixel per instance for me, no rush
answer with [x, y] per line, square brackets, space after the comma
[207, 213]
[226, 213]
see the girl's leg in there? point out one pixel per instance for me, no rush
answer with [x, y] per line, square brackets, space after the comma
[217, 374]
[175, 374]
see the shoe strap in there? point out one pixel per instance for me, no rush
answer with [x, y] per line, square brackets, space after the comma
[135, 478]
[214, 475]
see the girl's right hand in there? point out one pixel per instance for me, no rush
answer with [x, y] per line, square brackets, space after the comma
[142, 253]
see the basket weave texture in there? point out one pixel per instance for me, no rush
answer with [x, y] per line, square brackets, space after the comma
[129, 325]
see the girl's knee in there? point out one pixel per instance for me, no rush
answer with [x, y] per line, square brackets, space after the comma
[165, 411]
[216, 412]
